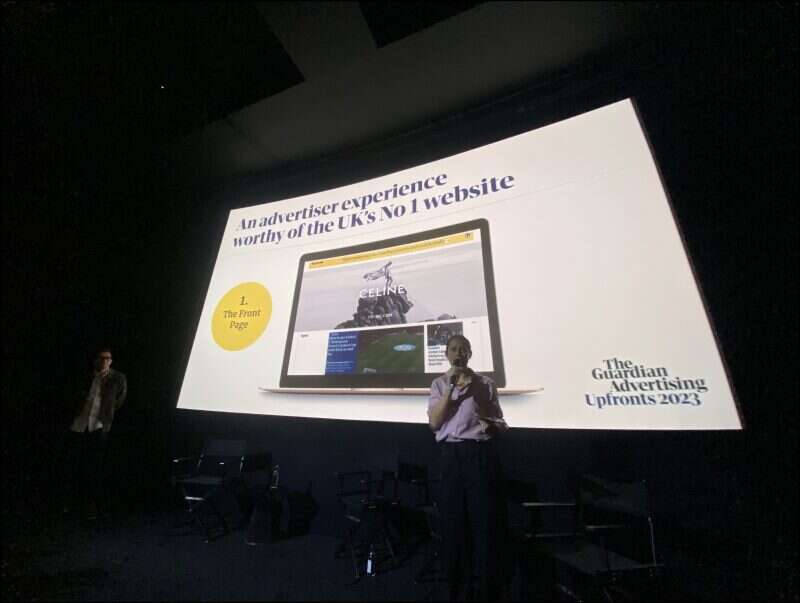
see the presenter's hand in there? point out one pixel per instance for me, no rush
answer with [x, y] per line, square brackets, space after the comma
[493, 426]
[459, 375]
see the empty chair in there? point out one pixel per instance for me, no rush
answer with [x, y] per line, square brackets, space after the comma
[218, 471]
[415, 492]
[366, 508]
[607, 546]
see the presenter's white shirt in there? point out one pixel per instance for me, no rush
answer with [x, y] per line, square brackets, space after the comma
[87, 419]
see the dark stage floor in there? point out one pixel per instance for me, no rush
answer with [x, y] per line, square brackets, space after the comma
[141, 556]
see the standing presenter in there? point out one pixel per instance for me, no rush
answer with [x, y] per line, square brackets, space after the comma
[465, 416]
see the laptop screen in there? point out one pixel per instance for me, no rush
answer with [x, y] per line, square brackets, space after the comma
[380, 314]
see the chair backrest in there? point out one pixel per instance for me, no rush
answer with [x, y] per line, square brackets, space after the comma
[411, 472]
[412, 484]
[354, 483]
[620, 511]
[259, 461]
[222, 457]
[224, 447]
[629, 498]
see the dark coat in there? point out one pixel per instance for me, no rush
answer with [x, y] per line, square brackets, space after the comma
[113, 390]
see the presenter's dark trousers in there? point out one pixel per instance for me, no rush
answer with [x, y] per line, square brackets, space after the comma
[472, 520]
[85, 455]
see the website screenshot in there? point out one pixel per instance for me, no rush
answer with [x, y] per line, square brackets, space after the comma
[390, 310]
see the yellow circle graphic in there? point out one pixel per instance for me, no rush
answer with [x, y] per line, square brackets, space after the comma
[241, 316]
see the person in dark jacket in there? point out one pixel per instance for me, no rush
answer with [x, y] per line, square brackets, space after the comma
[87, 438]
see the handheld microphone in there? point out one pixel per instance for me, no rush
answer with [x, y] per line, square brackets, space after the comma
[457, 363]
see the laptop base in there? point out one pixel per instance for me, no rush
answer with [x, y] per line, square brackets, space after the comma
[383, 391]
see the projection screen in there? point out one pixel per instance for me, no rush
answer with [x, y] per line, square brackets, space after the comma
[555, 252]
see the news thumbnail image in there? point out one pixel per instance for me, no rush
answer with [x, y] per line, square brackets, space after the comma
[394, 350]
[439, 334]
[391, 351]
[431, 286]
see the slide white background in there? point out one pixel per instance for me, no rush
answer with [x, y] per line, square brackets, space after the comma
[588, 267]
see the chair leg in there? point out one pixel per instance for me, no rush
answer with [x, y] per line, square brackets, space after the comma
[349, 542]
[429, 562]
[386, 538]
[221, 517]
[391, 548]
[199, 513]
[378, 536]
[369, 534]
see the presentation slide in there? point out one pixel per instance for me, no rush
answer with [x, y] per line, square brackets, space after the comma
[555, 252]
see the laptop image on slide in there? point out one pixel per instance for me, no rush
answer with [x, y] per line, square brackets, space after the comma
[375, 318]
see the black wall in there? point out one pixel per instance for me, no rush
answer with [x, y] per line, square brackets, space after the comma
[103, 245]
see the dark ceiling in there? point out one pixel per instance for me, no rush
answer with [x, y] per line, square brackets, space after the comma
[268, 83]
[228, 88]
[157, 71]
[153, 70]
